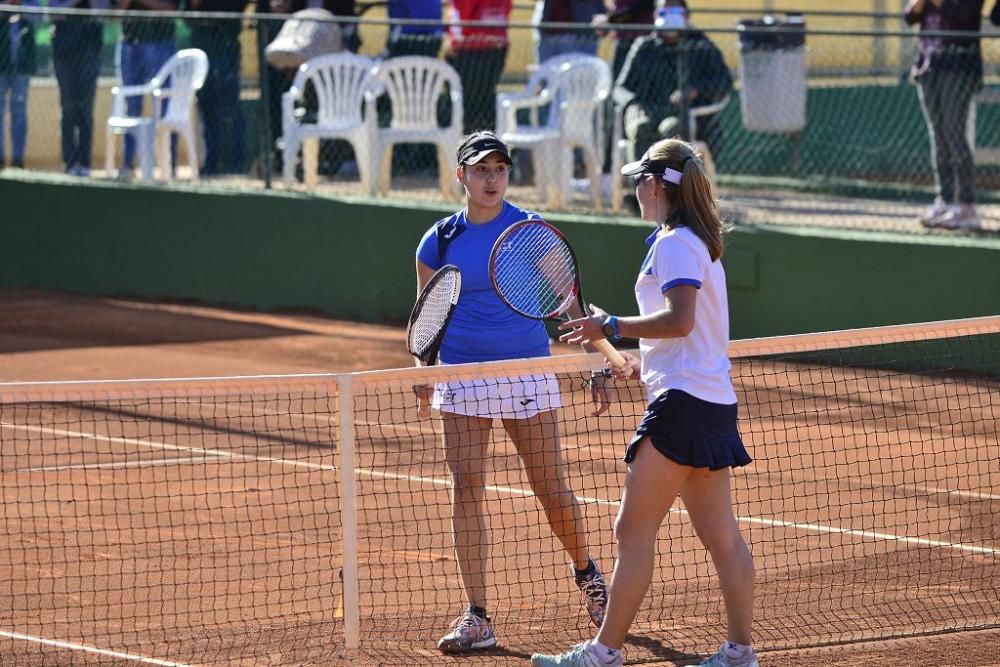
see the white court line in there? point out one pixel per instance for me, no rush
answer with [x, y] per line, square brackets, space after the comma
[92, 649]
[932, 490]
[217, 453]
[120, 464]
[407, 429]
[773, 523]
[509, 490]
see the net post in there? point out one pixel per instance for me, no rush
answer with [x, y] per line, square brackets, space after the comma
[348, 511]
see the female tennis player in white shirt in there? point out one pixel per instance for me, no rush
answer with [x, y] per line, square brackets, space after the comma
[688, 439]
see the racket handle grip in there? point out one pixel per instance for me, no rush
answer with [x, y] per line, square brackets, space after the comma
[610, 353]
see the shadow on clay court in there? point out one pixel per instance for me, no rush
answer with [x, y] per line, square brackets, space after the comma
[35, 321]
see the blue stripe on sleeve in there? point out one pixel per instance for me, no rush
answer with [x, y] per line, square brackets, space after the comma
[681, 281]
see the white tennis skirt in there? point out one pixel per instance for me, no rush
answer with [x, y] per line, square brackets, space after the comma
[519, 397]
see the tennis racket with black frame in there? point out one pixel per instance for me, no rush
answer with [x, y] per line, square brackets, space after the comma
[430, 317]
[534, 270]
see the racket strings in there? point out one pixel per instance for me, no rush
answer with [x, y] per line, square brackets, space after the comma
[434, 313]
[535, 271]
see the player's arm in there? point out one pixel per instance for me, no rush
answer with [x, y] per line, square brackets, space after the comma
[675, 320]
[600, 383]
[424, 274]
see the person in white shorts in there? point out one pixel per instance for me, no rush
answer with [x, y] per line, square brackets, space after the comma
[484, 329]
[688, 439]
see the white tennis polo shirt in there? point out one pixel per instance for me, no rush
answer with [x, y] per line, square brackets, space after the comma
[698, 363]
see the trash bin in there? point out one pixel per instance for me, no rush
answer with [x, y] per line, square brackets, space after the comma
[772, 72]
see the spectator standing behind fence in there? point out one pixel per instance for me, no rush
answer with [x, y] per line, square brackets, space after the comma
[146, 45]
[649, 85]
[637, 12]
[478, 54]
[219, 97]
[414, 40]
[626, 12]
[76, 53]
[557, 41]
[948, 72]
[17, 64]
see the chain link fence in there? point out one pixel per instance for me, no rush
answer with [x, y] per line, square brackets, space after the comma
[812, 118]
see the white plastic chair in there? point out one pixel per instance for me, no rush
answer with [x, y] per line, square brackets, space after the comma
[340, 81]
[178, 81]
[413, 85]
[573, 87]
[619, 145]
[533, 97]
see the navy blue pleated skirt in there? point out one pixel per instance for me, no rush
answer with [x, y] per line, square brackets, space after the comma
[691, 432]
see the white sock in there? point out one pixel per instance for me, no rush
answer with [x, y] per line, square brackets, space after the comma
[742, 652]
[603, 653]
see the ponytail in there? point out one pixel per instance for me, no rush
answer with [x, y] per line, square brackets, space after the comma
[693, 203]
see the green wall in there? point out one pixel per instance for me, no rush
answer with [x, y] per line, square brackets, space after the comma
[354, 258]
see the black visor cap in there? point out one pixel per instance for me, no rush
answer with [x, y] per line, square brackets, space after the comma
[477, 148]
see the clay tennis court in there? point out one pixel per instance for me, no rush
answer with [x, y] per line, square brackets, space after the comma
[203, 526]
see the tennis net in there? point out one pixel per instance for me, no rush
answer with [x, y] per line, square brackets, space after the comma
[292, 520]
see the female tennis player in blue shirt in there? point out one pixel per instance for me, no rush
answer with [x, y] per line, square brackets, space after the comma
[483, 328]
[688, 439]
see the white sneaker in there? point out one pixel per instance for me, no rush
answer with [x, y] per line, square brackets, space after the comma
[959, 216]
[578, 656]
[723, 659]
[932, 214]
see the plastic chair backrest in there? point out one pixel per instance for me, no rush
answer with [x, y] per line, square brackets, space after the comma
[340, 81]
[581, 86]
[542, 83]
[542, 76]
[184, 74]
[413, 85]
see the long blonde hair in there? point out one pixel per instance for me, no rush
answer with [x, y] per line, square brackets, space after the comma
[692, 202]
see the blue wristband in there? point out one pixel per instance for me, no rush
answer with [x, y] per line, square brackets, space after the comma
[610, 328]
